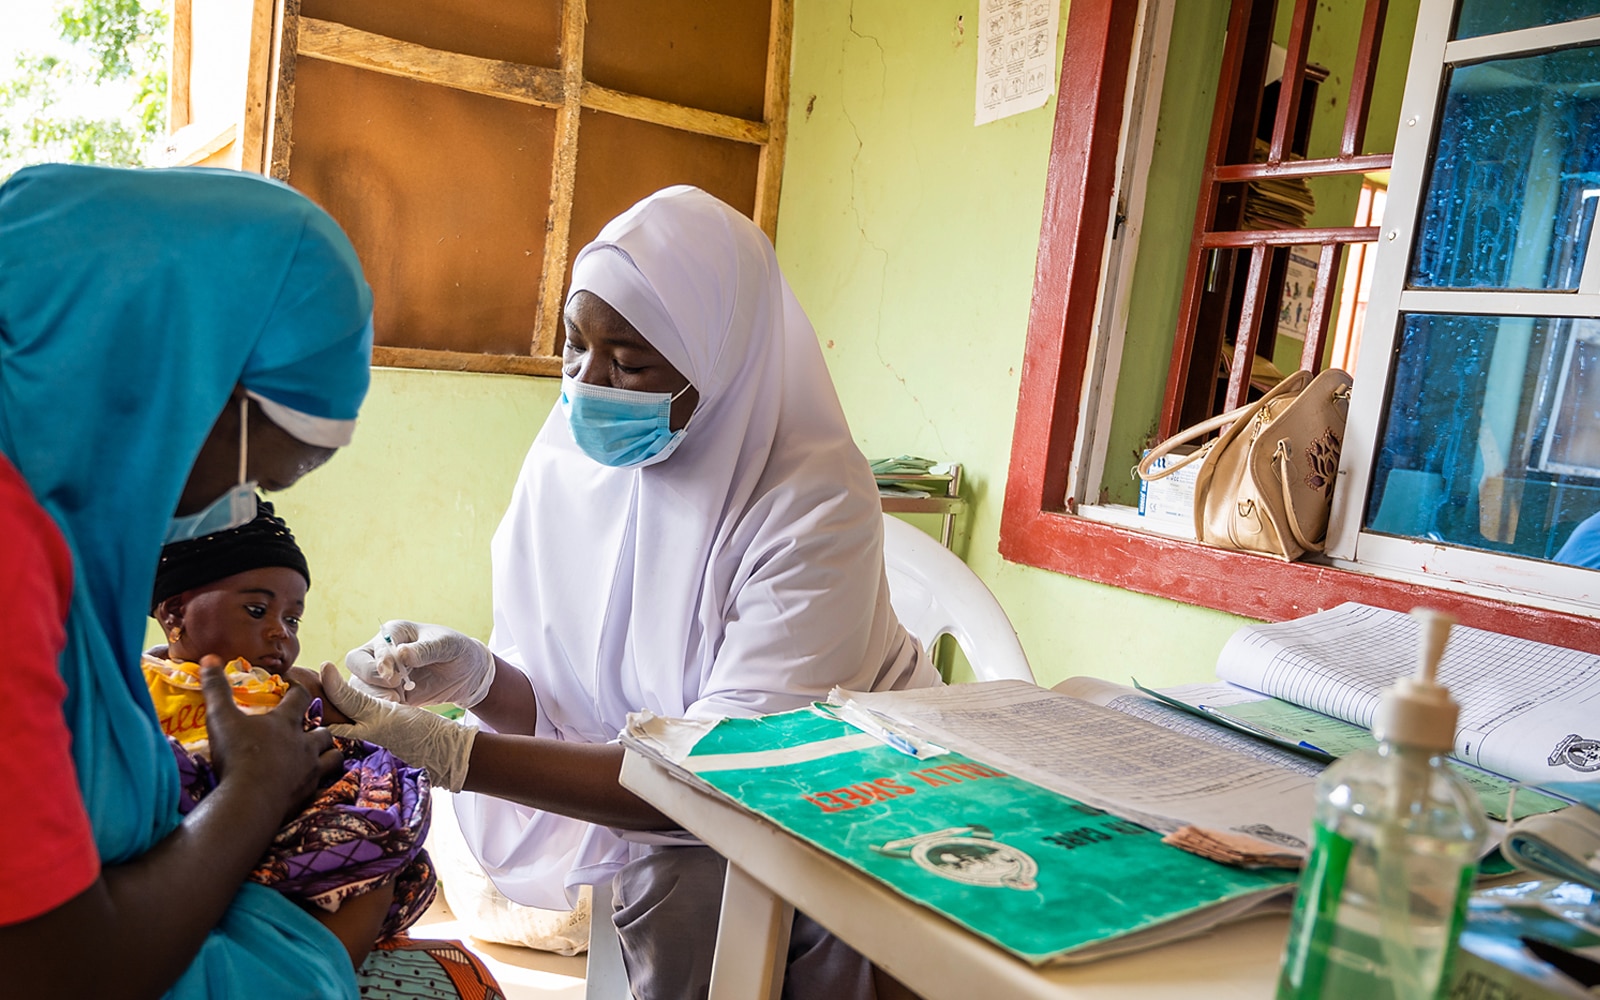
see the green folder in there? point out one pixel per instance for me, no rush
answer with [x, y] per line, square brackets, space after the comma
[1043, 876]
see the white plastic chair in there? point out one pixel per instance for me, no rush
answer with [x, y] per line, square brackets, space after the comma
[934, 593]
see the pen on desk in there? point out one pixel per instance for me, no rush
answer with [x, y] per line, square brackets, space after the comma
[1266, 734]
[863, 719]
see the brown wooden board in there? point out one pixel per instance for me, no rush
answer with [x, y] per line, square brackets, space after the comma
[444, 194]
[709, 54]
[432, 132]
[516, 31]
[621, 161]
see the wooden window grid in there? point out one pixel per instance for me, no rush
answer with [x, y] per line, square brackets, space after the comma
[564, 89]
[1198, 349]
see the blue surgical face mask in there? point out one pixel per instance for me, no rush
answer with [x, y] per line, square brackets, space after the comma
[620, 427]
[234, 508]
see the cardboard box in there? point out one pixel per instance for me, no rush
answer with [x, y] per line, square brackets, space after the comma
[1167, 505]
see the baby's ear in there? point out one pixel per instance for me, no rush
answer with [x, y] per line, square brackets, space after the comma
[169, 613]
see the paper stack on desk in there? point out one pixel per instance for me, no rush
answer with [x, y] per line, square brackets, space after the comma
[1530, 941]
[1215, 800]
[906, 475]
[1046, 876]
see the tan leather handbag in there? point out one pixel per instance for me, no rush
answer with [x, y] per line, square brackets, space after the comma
[1266, 482]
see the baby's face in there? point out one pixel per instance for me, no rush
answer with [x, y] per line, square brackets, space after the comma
[255, 614]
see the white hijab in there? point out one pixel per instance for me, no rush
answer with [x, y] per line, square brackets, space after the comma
[742, 575]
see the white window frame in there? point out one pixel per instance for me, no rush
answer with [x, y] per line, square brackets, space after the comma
[1528, 581]
[1141, 113]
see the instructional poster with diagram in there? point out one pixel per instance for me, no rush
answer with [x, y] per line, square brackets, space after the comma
[1016, 56]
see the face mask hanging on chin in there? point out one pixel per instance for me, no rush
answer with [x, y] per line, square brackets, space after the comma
[234, 508]
[620, 427]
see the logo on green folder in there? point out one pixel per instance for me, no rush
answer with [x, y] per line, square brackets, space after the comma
[967, 854]
[1577, 753]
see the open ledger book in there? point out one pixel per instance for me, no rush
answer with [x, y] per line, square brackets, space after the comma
[1528, 710]
[1045, 839]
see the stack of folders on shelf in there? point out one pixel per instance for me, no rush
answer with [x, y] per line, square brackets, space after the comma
[1277, 202]
[905, 475]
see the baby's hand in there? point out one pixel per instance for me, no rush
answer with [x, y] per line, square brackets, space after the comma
[309, 680]
[272, 752]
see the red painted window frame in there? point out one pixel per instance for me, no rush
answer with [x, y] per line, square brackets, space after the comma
[1036, 527]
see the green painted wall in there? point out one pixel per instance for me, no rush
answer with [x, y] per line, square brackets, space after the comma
[402, 519]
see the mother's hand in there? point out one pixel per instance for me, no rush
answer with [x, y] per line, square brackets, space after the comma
[271, 753]
[419, 664]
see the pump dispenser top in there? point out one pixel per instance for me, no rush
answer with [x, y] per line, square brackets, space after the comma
[1417, 711]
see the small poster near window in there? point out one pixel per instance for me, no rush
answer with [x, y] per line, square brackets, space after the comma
[1299, 288]
[1016, 56]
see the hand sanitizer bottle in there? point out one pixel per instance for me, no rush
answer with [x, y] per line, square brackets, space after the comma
[1396, 841]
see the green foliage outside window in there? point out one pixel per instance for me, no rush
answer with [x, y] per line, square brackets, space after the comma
[112, 44]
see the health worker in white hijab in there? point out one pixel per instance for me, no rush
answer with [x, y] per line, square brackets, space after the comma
[694, 532]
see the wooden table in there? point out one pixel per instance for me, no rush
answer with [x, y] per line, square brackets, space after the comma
[771, 871]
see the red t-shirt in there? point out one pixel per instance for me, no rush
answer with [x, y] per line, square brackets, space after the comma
[47, 853]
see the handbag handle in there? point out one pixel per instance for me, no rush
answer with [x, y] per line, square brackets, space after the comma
[1182, 437]
[1204, 427]
[1280, 458]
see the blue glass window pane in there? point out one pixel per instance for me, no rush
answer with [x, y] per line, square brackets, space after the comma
[1491, 439]
[1490, 17]
[1515, 176]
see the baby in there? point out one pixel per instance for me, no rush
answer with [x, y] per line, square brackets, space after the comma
[353, 856]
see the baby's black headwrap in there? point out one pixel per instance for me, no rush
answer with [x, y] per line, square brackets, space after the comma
[264, 541]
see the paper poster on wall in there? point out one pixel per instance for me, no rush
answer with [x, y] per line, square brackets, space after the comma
[1299, 289]
[1016, 56]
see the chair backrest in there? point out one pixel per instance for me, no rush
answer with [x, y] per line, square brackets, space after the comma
[934, 593]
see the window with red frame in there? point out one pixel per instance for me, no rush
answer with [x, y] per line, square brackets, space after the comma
[1088, 207]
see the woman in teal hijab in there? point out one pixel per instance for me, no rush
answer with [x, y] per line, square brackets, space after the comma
[143, 316]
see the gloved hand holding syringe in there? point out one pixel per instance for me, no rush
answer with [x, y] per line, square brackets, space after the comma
[419, 664]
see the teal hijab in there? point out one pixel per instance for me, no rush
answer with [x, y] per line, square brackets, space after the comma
[131, 303]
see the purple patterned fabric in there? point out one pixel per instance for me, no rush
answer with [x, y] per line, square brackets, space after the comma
[364, 828]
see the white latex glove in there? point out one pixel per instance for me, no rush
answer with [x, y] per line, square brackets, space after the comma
[415, 735]
[417, 664]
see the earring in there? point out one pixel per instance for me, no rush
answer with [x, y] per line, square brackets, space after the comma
[175, 634]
